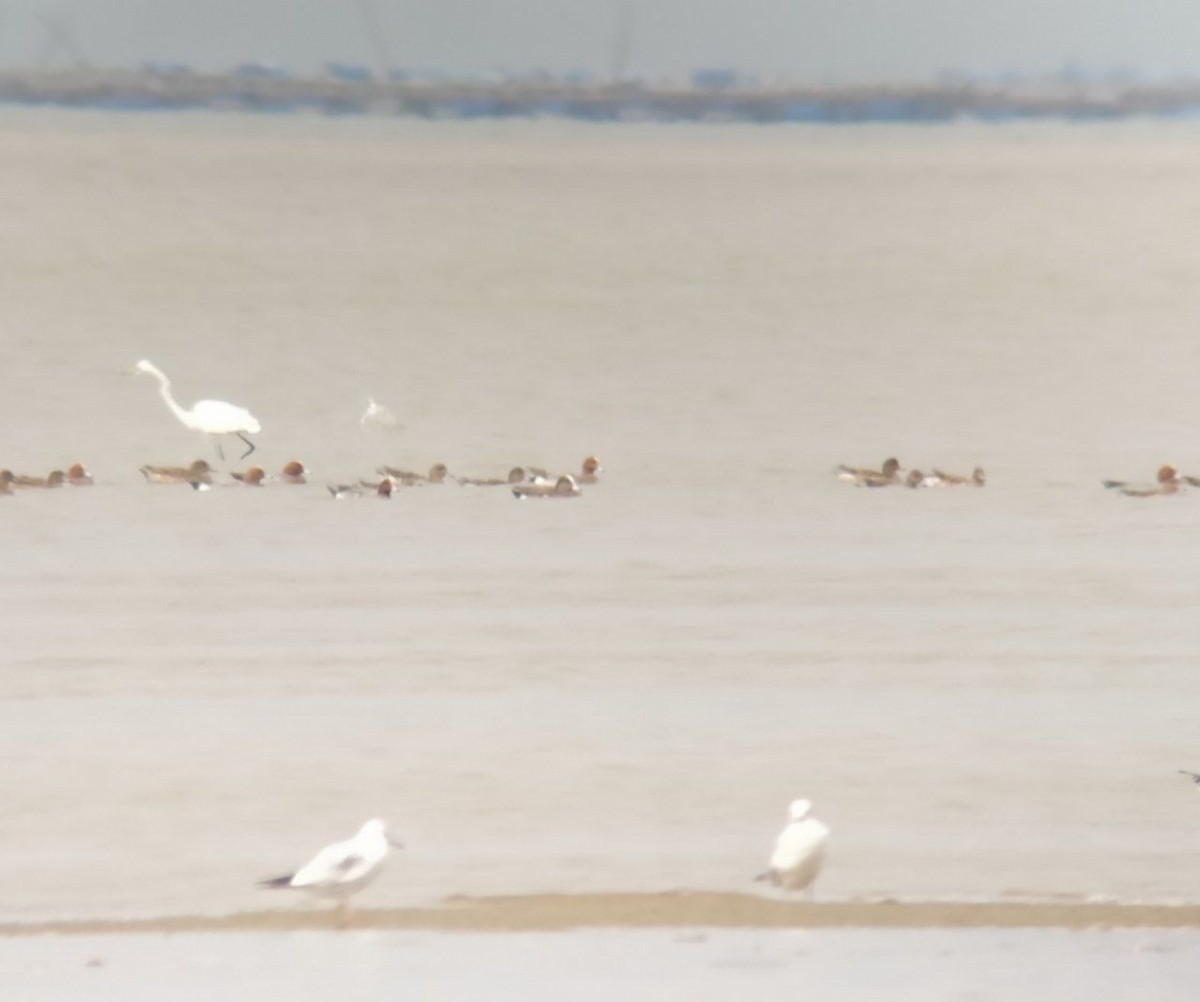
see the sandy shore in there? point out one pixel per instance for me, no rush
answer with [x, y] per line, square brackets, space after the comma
[539, 913]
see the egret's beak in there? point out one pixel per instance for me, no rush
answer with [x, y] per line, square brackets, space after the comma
[395, 842]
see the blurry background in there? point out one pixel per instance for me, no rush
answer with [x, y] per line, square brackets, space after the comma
[805, 41]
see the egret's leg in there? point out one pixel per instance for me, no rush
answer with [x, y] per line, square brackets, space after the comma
[220, 451]
[248, 442]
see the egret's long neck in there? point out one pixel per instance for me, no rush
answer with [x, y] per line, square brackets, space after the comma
[164, 389]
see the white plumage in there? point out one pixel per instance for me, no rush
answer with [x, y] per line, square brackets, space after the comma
[213, 417]
[341, 869]
[799, 850]
[377, 414]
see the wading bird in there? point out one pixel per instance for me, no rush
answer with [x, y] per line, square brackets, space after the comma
[341, 869]
[213, 417]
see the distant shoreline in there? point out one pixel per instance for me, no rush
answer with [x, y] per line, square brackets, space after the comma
[272, 93]
[701, 909]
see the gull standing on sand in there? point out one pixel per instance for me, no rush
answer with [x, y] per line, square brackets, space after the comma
[799, 850]
[341, 869]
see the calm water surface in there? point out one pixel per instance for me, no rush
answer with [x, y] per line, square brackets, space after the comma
[986, 693]
[647, 966]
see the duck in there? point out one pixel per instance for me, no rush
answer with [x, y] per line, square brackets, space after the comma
[78, 476]
[978, 478]
[56, 478]
[407, 478]
[253, 477]
[1166, 482]
[590, 471]
[294, 472]
[916, 479]
[863, 477]
[799, 850]
[515, 476]
[198, 473]
[6, 481]
[383, 489]
[564, 487]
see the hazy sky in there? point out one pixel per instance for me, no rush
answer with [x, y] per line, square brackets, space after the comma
[842, 41]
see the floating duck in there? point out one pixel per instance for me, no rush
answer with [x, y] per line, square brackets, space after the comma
[253, 477]
[56, 479]
[515, 476]
[1167, 482]
[564, 487]
[198, 473]
[294, 473]
[382, 490]
[78, 476]
[978, 478]
[862, 477]
[590, 471]
[407, 478]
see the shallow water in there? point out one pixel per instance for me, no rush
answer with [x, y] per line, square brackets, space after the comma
[986, 693]
[936, 965]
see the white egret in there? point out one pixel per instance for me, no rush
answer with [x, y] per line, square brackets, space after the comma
[213, 417]
[341, 869]
[799, 850]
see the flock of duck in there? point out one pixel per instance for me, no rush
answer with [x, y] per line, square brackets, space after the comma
[890, 475]
[75, 476]
[1167, 481]
[522, 481]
